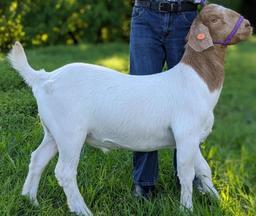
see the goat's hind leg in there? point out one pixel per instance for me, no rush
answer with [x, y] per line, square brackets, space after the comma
[66, 171]
[39, 159]
[204, 174]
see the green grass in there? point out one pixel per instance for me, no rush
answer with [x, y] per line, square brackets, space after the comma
[105, 180]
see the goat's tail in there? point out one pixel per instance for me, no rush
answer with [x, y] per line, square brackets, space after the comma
[18, 60]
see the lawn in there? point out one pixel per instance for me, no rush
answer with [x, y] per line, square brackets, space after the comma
[105, 179]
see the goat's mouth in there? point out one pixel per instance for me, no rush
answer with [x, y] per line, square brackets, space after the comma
[247, 32]
[249, 29]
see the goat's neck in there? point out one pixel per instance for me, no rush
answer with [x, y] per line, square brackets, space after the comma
[209, 65]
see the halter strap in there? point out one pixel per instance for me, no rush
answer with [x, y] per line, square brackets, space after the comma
[203, 2]
[232, 33]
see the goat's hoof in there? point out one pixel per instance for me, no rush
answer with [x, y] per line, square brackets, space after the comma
[215, 193]
[83, 212]
[186, 209]
[197, 183]
[212, 192]
[31, 198]
[34, 202]
[79, 208]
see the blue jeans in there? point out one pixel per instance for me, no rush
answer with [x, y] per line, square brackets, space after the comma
[155, 38]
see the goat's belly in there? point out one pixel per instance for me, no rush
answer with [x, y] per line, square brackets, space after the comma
[132, 144]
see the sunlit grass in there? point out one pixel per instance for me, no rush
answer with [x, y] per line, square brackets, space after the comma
[117, 63]
[105, 180]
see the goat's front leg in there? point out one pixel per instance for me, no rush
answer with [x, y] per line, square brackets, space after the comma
[186, 152]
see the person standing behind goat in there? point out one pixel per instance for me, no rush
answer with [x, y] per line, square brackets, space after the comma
[158, 32]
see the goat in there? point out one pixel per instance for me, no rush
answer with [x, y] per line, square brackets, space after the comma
[81, 103]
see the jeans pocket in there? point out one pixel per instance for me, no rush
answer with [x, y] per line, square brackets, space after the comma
[137, 11]
[187, 17]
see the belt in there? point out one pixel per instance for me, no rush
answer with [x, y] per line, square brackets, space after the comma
[167, 6]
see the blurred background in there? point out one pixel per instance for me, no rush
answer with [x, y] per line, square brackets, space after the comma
[97, 31]
[42, 23]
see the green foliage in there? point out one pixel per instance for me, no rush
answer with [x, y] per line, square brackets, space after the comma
[11, 27]
[63, 21]
[234, 4]
[105, 180]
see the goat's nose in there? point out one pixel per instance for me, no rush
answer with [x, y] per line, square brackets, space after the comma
[247, 24]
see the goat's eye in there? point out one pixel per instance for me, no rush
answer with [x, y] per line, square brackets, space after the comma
[214, 20]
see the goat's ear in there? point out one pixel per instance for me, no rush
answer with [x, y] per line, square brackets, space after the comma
[199, 38]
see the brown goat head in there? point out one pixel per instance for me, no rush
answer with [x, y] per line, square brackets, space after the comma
[214, 23]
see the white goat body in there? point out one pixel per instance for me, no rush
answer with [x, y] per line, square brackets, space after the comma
[108, 109]
[113, 110]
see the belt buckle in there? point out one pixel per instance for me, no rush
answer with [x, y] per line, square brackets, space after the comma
[162, 4]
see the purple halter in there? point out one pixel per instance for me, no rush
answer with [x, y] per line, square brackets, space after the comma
[203, 2]
[232, 33]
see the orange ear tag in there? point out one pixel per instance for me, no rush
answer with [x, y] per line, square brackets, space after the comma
[200, 36]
